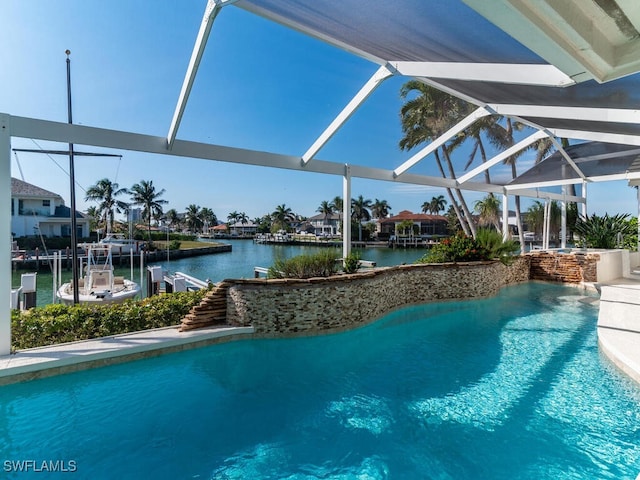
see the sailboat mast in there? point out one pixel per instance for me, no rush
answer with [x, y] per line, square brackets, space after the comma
[72, 181]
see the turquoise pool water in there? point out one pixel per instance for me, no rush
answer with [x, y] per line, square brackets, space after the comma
[511, 387]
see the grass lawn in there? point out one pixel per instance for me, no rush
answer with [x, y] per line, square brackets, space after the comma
[186, 244]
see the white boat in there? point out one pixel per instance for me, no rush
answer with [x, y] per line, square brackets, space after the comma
[119, 243]
[99, 285]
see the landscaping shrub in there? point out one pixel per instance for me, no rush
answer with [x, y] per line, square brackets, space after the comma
[604, 232]
[321, 264]
[55, 323]
[497, 248]
[458, 248]
[174, 245]
[351, 262]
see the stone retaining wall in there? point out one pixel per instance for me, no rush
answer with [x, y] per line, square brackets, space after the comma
[292, 306]
[573, 267]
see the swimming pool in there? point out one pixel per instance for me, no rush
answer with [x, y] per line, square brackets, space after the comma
[508, 387]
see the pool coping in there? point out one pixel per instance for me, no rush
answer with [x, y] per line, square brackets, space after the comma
[617, 342]
[40, 362]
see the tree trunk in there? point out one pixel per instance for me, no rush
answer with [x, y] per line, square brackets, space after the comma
[514, 174]
[456, 208]
[463, 203]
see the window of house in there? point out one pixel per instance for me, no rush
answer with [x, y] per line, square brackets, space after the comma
[46, 203]
[20, 207]
[12, 207]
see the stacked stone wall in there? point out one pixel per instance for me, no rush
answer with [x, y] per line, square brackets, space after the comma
[293, 306]
[574, 267]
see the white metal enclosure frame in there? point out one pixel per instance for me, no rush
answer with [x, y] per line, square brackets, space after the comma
[500, 78]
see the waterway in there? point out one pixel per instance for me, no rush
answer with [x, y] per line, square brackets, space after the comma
[239, 263]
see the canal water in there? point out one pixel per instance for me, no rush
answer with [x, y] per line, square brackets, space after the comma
[239, 263]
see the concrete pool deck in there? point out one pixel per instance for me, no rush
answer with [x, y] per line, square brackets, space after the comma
[51, 360]
[619, 323]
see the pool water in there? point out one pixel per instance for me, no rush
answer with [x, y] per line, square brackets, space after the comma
[511, 387]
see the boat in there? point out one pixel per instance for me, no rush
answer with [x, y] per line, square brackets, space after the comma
[99, 285]
[119, 243]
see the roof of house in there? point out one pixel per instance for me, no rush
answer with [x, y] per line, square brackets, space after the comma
[407, 215]
[322, 216]
[24, 189]
[243, 225]
[63, 211]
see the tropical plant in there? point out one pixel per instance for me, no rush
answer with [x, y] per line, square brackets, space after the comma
[453, 223]
[535, 216]
[603, 232]
[435, 205]
[496, 246]
[105, 192]
[282, 217]
[488, 210]
[94, 216]
[326, 209]
[426, 116]
[320, 264]
[486, 127]
[459, 248]
[173, 220]
[338, 206]
[192, 218]
[406, 227]
[380, 208]
[145, 195]
[208, 218]
[360, 211]
[351, 262]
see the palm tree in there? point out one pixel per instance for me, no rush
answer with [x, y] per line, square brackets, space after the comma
[172, 218]
[406, 227]
[233, 217]
[105, 192]
[282, 217]
[92, 213]
[208, 218]
[326, 209]
[192, 218]
[145, 195]
[488, 127]
[489, 211]
[425, 117]
[359, 212]
[243, 219]
[380, 208]
[535, 216]
[435, 205]
[338, 206]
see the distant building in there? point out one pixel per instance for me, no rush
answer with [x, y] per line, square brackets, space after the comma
[426, 225]
[326, 224]
[35, 211]
[243, 229]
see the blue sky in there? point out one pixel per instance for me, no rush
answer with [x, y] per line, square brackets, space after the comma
[260, 86]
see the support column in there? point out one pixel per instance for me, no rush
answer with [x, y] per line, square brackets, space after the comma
[563, 220]
[5, 234]
[346, 211]
[584, 194]
[505, 217]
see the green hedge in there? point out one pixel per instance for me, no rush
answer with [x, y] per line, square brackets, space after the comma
[54, 323]
[320, 264]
